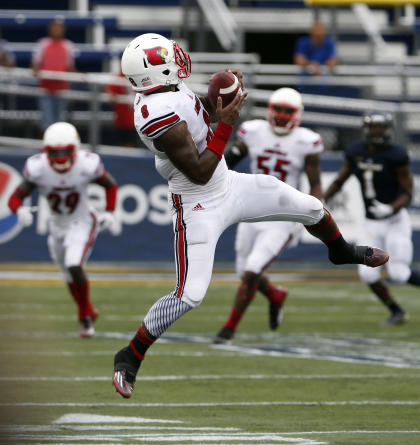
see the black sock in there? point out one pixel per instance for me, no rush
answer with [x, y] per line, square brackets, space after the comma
[140, 347]
[126, 359]
[393, 307]
[341, 252]
[414, 278]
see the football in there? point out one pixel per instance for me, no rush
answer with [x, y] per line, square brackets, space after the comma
[224, 84]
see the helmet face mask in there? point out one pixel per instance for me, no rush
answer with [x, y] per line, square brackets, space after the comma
[61, 159]
[61, 142]
[151, 61]
[377, 129]
[182, 59]
[284, 111]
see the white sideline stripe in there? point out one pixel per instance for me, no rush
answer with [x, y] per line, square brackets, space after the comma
[213, 377]
[190, 439]
[228, 90]
[216, 404]
[212, 437]
[52, 428]
[306, 442]
[309, 354]
[96, 418]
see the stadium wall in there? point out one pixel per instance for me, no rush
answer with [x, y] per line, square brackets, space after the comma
[146, 217]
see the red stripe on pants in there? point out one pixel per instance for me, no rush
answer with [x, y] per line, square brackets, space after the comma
[90, 240]
[181, 248]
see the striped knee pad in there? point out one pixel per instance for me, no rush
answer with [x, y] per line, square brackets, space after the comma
[164, 313]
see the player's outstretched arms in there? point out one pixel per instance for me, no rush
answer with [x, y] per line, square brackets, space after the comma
[178, 144]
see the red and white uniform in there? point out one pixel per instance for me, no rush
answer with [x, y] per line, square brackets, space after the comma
[202, 212]
[73, 223]
[156, 113]
[258, 245]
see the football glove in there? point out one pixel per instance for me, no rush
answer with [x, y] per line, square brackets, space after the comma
[380, 210]
[108, 221]
[24, 216]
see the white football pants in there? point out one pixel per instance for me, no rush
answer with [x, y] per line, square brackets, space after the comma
[392, 234]
[257, 245]
[72, 245]
[199, 221]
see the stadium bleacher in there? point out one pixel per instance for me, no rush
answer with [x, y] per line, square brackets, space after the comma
[101, 33]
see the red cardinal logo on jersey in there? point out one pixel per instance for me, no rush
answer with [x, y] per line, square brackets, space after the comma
[157, 55]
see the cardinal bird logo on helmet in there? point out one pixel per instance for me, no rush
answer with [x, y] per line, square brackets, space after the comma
[157, 55]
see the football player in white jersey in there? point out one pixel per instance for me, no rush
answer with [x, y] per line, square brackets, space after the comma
[277, 146]
[205, 196]
[62, 172]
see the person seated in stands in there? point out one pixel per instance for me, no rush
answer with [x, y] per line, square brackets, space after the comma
[315, 51]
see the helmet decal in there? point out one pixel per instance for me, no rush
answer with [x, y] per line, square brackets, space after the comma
[157, 55]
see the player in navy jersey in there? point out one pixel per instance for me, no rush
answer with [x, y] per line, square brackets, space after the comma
[386, 181]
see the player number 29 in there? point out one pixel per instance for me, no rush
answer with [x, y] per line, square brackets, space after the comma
[70, 202]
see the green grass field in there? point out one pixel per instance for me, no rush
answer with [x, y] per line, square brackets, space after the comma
[331, 374]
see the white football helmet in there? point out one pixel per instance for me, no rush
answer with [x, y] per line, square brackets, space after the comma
[60, 143]
[284, 110]
[151, 61]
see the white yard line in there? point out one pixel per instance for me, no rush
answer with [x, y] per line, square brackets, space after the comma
[214, 377]
[58, 428]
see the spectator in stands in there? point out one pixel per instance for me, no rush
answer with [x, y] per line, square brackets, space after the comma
[315, 51]
[125, 132]
[7, 58]
[53, 53]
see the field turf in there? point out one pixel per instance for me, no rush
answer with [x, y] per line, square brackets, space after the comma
[331, 374]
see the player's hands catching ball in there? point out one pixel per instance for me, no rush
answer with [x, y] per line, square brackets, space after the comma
[230, 114]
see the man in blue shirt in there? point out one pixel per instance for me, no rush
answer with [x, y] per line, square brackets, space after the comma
[316, 50]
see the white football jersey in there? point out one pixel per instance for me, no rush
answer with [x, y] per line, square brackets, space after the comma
[66, 193]
[279, 156]
[156, 113]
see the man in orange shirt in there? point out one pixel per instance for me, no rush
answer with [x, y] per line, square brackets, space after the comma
[53, 53]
